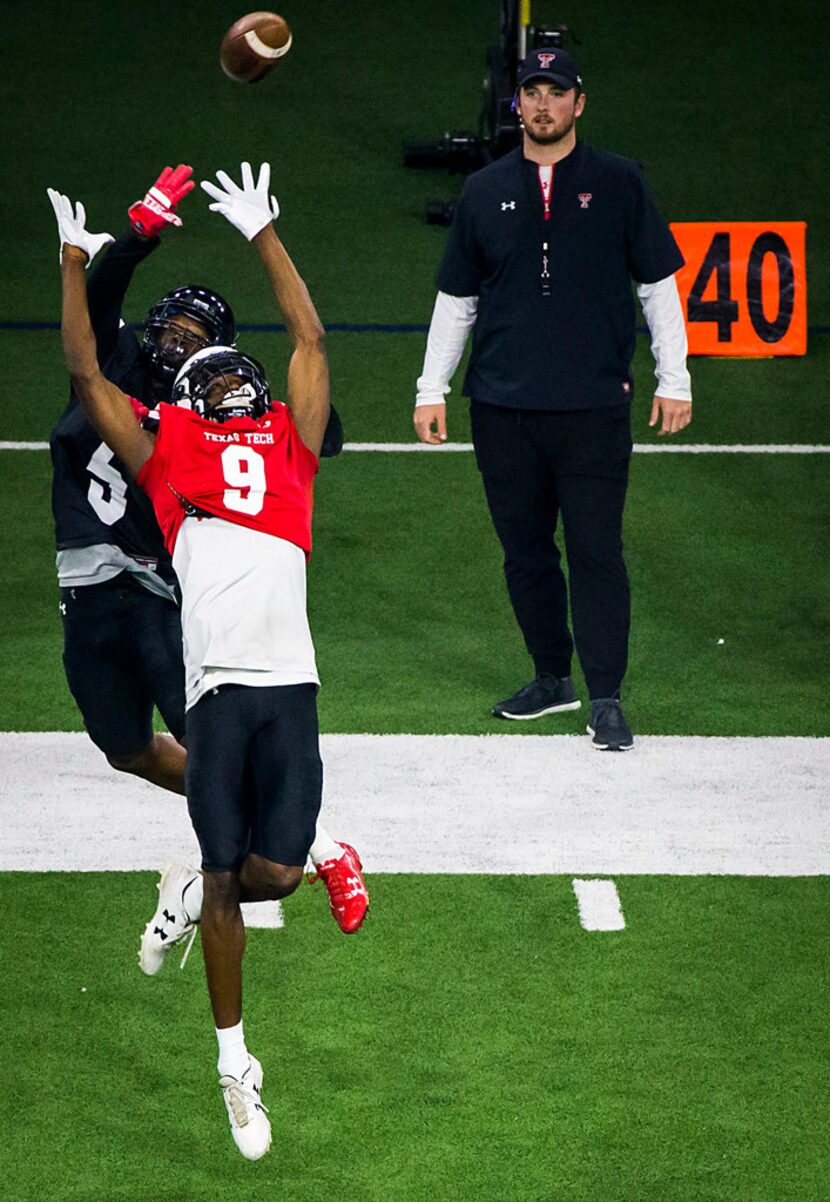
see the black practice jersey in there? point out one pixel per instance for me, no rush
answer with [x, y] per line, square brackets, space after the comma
[93, 498]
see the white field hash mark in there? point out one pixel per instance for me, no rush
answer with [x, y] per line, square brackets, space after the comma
[263, 915]
[599, 905]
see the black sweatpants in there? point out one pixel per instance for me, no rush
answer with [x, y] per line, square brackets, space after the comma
[535, 465]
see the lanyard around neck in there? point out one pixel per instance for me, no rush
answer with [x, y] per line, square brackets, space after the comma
[546, 189]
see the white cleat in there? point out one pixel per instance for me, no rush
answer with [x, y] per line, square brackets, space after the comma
[250, 1127]
[171, 922]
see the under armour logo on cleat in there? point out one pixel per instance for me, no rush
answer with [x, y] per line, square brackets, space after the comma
[508, 204]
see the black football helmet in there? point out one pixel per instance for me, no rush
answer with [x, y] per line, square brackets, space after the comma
[166, 347]
[220, 382]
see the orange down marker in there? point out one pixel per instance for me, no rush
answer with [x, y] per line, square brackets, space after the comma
[743, 287]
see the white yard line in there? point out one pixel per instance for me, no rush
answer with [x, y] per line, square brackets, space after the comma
[457, 803]
[735, 448]
[599, 905]
[640, 448]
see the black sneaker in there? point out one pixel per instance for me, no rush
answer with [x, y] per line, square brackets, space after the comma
[544, 695]
[608, 726]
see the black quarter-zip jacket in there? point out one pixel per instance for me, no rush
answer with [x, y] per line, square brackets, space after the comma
[565, 339]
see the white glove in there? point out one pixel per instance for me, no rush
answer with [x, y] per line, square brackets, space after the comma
[72, 226]
[249, 208]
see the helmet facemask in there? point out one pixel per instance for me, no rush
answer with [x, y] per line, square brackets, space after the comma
[219, 383]
[172, 345]
[168, 342]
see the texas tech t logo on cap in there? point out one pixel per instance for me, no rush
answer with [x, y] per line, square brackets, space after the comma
[545, 60]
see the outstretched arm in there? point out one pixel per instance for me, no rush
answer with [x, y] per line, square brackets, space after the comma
[107, 407]
[108, 281]
[252, 210]
[107, 285]
[308, 370]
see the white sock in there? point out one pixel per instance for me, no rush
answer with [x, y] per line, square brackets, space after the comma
[324, 847]
[233, 1055]
[192, 898]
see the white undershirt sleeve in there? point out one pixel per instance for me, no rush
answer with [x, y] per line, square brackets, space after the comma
[452, 319]
[664, 318]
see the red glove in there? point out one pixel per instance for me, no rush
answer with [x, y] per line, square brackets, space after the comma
[150, 215]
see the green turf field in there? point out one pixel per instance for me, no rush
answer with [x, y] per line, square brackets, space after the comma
[473, 1042]
[511, 1058]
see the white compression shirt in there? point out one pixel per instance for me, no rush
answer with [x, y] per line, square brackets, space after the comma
[452, 319]
[663, 312]
[454, 316]
[244, 615]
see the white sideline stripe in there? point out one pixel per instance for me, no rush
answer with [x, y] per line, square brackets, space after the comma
[429, 447]
[735, 448]
[264, 915]
[506, 803]
[640, 448]
[599, 905]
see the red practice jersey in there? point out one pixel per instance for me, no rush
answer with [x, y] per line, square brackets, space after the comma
[255, 472]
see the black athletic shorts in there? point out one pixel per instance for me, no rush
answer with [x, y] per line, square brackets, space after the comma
[254, 777]
[122, 653]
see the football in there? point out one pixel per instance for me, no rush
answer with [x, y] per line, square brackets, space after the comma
[253, 46]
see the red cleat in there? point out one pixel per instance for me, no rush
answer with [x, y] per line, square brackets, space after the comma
[348, 895]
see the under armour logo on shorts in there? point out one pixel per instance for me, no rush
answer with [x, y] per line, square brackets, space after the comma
[585, 199]
[508, 204]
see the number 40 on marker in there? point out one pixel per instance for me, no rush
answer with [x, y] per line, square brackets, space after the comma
[744, 287]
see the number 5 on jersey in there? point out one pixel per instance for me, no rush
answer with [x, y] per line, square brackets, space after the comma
[107, 492]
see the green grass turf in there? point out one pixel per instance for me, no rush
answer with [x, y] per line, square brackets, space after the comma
[471, 1042]
[373, 387]
[412, 623]
[714, 551]
[723, 104]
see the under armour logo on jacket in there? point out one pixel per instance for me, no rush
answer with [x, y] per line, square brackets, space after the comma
[585, 199]
[508, 204]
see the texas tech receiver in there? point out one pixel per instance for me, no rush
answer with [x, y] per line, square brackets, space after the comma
[230, 475]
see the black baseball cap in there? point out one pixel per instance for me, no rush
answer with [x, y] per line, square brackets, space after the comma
[549, 62]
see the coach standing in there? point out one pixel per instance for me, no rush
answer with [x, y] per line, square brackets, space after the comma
[543, 247]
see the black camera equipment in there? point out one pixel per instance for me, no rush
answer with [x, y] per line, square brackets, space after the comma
[498, 129]
[457, 152]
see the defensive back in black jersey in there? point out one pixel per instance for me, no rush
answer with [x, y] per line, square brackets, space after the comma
[93, 499]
